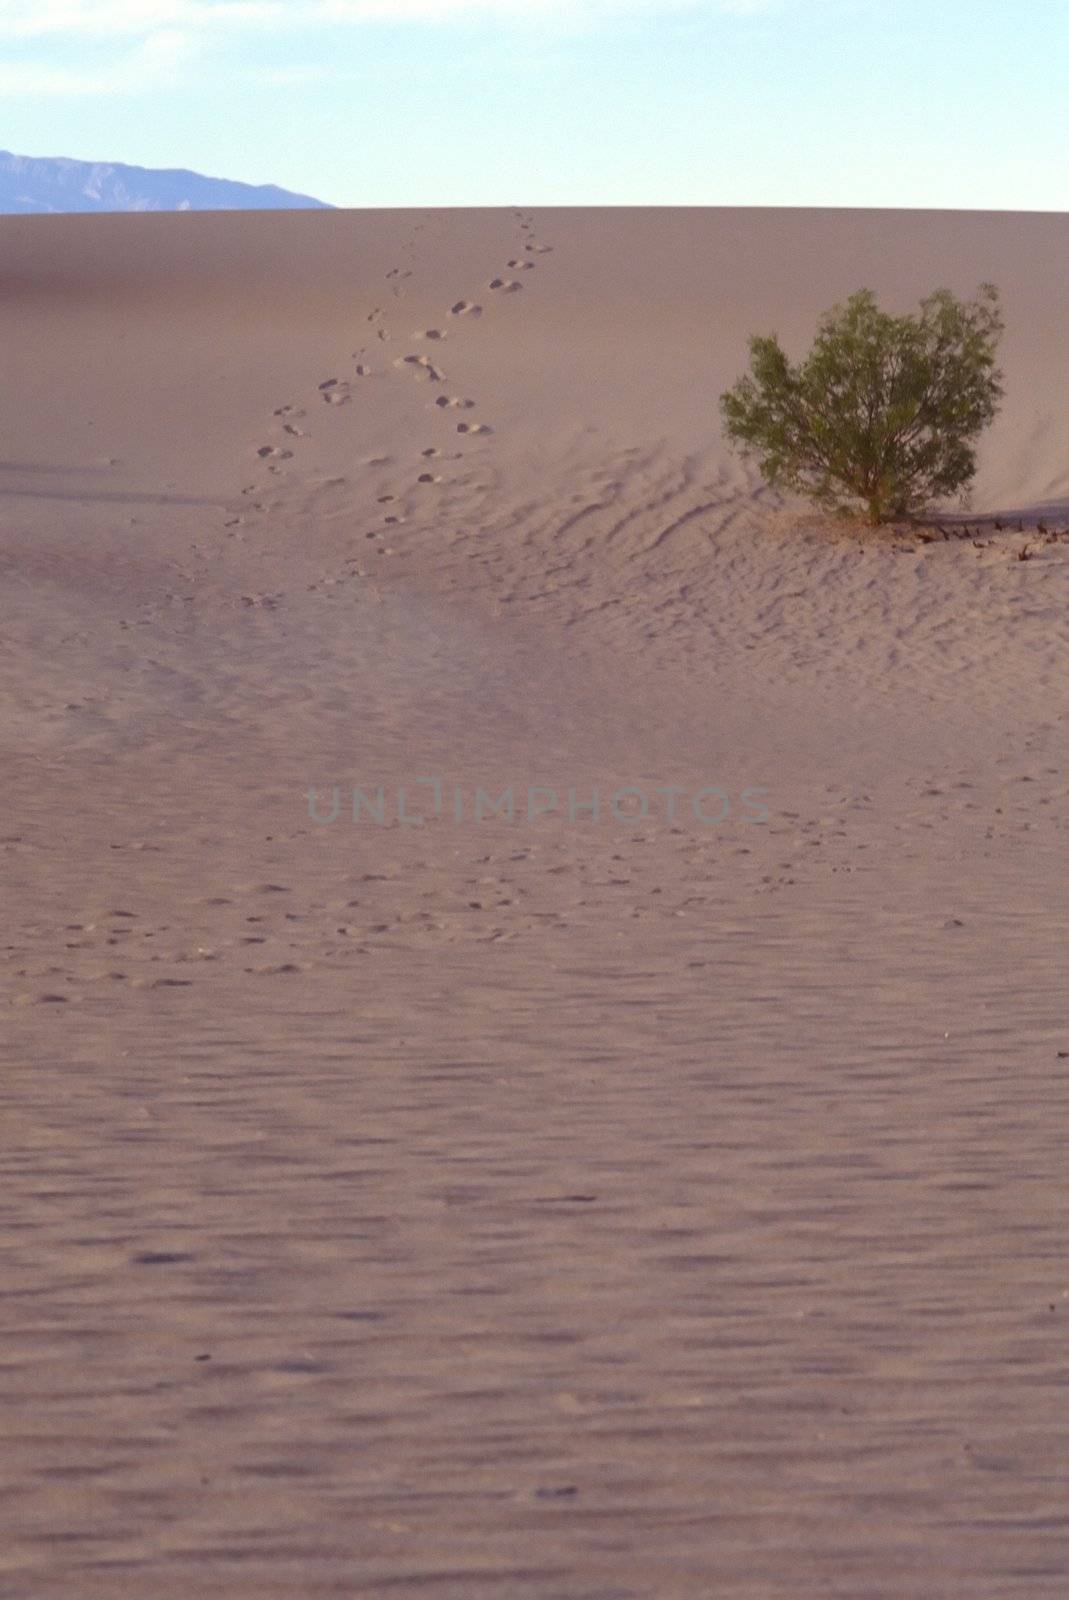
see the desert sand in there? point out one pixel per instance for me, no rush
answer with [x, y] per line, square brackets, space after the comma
[555, 1208]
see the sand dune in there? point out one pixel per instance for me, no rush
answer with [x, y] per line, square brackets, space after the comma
[667, 1202]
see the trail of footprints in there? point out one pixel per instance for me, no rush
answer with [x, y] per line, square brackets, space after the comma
[422, 366]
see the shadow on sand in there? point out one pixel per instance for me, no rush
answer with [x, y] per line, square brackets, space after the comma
[122, 497]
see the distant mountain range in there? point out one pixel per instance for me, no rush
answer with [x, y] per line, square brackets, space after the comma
[30, 184]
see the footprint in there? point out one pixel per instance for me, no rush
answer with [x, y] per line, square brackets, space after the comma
[465, 308]
[362, 371]
[424, 364]
[506, 285]
[334, 392]
[428, 477]
[454, 403]
[287, 411]
[522, 266]
[434, 334]
[273, 451]
[473, 427]
[432, 451]
[296, 433]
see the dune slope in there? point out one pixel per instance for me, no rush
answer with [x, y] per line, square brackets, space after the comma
[622, 1152]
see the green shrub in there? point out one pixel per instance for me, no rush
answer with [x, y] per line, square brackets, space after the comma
[883, 409]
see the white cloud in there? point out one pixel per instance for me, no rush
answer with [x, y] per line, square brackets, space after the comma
[133, 18]
[144, 43]
[27, 19]
[148, 64]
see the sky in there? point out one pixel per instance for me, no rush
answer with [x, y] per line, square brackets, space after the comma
[928, 103]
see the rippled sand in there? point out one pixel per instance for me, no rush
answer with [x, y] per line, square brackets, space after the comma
[668, 1202]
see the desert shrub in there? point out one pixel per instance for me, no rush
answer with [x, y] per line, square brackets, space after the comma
[883, 409]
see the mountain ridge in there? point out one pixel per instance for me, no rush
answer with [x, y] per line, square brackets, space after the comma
[50, 185]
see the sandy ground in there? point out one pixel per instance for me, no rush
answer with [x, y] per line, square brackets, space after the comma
[668, 1203]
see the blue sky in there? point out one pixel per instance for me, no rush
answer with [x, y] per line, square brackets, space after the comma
[567, 102]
